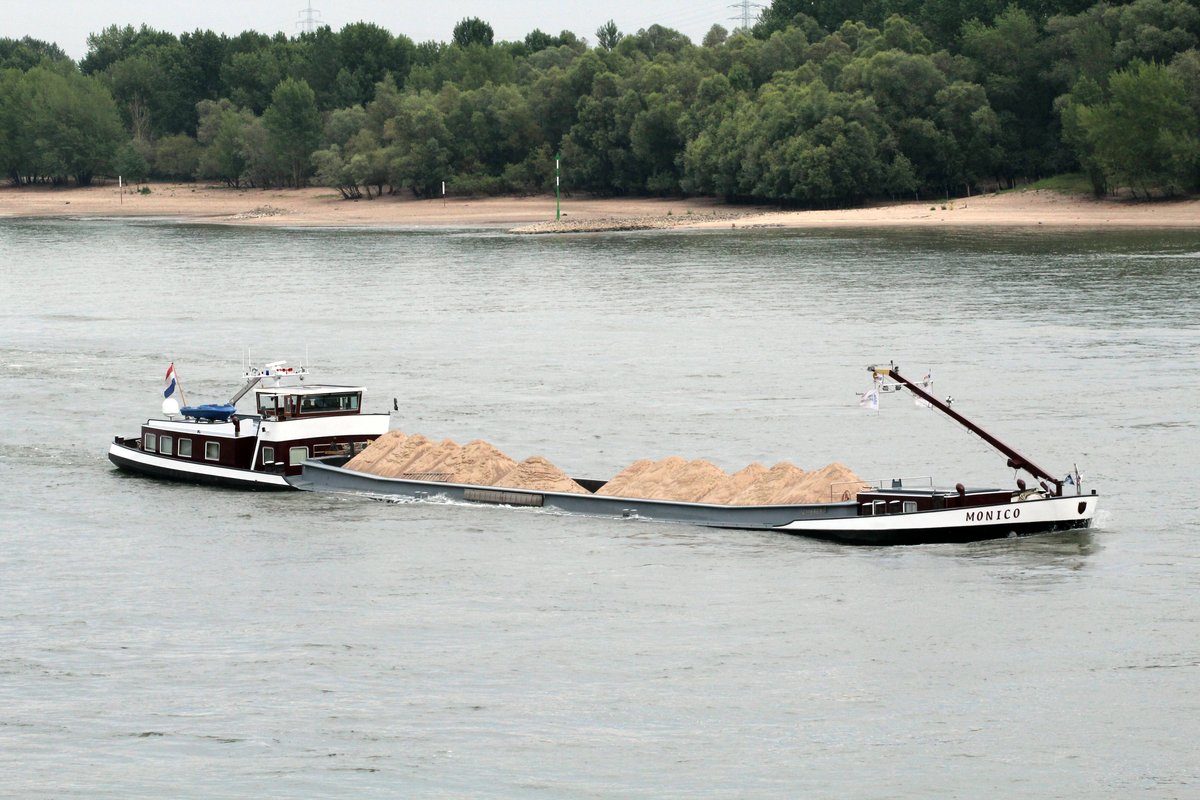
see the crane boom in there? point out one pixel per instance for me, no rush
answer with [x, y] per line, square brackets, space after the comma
[1015, 459]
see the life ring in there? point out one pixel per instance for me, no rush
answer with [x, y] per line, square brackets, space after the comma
[846, 495]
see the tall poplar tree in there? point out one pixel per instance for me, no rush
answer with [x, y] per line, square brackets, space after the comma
[293, 127]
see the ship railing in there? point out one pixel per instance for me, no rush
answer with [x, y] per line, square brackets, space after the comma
[842, 491]
[906, 482]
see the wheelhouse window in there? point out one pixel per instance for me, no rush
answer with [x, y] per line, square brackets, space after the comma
[150, 444]
[329, 403]
[297, 455]
[266, 405]
[268, 454]
[185, 448]
[166, 445]
[212, 451]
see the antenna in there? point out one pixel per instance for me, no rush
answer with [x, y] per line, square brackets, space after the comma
[745, 16]
[309, 18]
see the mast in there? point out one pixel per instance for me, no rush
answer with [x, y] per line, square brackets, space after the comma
[1015, 459]
[179, 383]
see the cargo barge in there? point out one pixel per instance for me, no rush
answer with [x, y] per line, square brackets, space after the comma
[895, 514]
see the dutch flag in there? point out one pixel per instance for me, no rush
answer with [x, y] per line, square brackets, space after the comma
[169, 381]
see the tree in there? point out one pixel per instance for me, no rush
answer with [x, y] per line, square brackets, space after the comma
[653, 41]
[134, 82]
[782, 14]
[1186, 69]
[1154, 30]
[13, 136]
[1010, 57]
[204, 52]
[368, 53]
[473, 30]
[250, 77]
[263, 166]
[655, 139]
[25, 54]
[222, 131]
[293, 126]
[537, 40]
[418, 145]
[1085, 93]
[608, 36]
[176, 157]
[72, 126]
[717, 35]
[115, 43]
[130, 163]
[1144, 136]
[329, 169]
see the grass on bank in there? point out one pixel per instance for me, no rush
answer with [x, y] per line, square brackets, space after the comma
[1067, 183]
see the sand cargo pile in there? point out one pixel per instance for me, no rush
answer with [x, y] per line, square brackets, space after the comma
[478, 463]
[704, 482]
[417, 458]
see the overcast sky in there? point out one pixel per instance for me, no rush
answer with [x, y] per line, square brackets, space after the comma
[68, 22]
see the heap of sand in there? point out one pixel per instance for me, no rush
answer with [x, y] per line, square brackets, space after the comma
[396, 455]
[627, 480]
[704, 482]
[395, 463]
[429, 460]
[539, 474]
[478, 463]
[733, 485]
[670, 479]
[369, 457]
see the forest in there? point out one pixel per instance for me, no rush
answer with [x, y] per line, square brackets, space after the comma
[821, 103]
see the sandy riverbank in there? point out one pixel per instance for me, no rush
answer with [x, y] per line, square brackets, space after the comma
[320, 207]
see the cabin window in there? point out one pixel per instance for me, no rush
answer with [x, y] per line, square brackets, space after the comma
[266, 405]
[185, 448]
[328, 403]
[212, 451]
[296, 455]
[166, 445]
[910, 506]
[151, 443]
[268, 455]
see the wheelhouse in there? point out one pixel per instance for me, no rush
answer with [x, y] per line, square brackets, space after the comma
[302, 402]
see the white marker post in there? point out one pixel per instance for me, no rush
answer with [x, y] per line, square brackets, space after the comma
[443, 194]
[121, 186]
[557, 194]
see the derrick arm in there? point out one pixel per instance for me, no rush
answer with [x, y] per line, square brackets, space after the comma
[250, 384]
[1015, 459]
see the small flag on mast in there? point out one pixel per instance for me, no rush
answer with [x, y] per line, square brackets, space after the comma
[870, 400]
[926, 383]
[169, 382]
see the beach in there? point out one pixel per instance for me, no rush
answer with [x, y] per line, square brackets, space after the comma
[324, 207]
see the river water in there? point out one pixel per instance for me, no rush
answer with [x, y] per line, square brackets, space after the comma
[162, 640]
